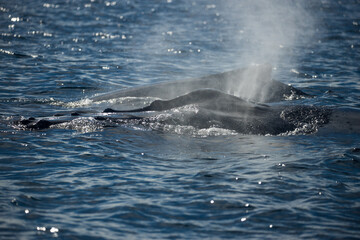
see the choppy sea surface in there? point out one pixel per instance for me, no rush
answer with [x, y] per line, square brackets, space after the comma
[131, 182]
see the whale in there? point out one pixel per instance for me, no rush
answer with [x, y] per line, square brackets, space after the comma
[251, 83]
[216, 100]
[215, 108]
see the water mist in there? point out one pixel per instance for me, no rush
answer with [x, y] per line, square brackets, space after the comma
[269, 31]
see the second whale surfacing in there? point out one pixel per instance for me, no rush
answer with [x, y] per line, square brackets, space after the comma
[232, 100]
[252, 83]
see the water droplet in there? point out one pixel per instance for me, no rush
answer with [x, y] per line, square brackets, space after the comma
[54, 230]
[15, 19]
[41, 229]
[14, 201]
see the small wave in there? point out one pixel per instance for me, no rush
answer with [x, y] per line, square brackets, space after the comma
[172, 121]
[80, 103]
[82, 125]
[293, 96]
[3, 51]
[300, 74]
[11, 35]
[50, 101]
[192, 131]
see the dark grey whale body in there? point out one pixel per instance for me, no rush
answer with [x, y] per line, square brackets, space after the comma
[231, 112]
[215, 106]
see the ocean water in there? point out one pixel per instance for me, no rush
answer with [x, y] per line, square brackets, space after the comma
[133, 182]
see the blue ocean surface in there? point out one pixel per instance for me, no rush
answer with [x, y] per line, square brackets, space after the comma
[87, 181]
